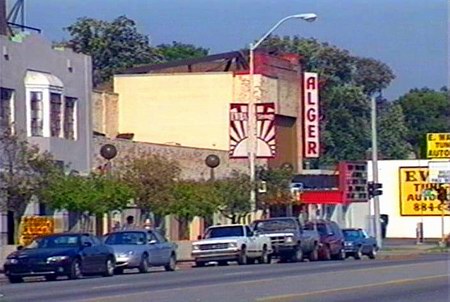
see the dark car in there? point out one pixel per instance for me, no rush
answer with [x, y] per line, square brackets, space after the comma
[142, 249]
[289, 240]
[331, 239]
[358, 244]
[68, 254]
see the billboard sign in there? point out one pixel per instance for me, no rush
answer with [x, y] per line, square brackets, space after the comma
[439, 172]
[265, 123]
[438, 145]
[35, 226]
[311, 115]
[353, 181]
[418, 197]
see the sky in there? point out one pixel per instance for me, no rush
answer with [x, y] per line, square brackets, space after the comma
[411, 36]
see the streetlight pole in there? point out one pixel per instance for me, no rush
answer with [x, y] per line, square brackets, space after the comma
[376, 200]
[252, 143]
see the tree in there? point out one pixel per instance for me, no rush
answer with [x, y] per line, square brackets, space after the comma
[87, 195]
[232, 195]
[426, 111]
[191, 199]
[152, 178]
[180, 51]
[392, 141]
[24, 171]
[278, 192]
[113, 46]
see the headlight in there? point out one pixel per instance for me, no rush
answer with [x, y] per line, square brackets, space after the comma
[289, 239]
[11, 261]
[57, 258]
[232, 244]
[124, 255]
[195, 247]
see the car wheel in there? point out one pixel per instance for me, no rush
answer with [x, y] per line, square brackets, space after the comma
[298, 255]
[326, 253]
[264, 259]
[75, 270]
[51, 277]
[199, 263]
[373, 253]
[118, 270]
[358, 254]
[341, 255]
[144, 266]
[314, 255]
[243, 259]
[172, 265]
[222, 263]
[15, 279]
[109, 268]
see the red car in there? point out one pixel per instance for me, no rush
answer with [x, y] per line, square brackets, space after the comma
[331, 239]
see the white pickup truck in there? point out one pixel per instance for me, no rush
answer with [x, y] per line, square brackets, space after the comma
[234, 242]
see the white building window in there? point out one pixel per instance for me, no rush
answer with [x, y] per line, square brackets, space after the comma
[55, 114]
[70, 118]
[6, 108]
[36, 106]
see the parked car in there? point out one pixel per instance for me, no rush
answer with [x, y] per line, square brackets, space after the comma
[331, 239]
[67, 254]
[141, 249]
[234, 242]
[289, 240]
[358, 244]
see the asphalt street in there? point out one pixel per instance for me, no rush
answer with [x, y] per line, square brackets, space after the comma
[425, 278]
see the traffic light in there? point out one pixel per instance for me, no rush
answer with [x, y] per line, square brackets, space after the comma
[442, 194]
[374, 189]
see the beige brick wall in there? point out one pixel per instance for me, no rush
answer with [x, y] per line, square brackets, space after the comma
[105, 113]
[191, 160]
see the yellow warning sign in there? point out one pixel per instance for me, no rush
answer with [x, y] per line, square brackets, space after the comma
[438, 145]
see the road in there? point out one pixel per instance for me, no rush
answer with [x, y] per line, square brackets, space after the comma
[423, 279]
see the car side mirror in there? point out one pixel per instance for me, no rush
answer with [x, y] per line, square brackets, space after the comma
[20, 247]
[151, 242]
[199, 237]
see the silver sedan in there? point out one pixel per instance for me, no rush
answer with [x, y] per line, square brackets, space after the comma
[141, 249]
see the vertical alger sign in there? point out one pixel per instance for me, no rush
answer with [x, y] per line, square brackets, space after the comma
[311, 115]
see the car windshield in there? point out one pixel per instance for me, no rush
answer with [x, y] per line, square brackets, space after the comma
[351, 234]
[126, 238]
[321, 228]
[230, 231]
[275, 225]
[55, 242]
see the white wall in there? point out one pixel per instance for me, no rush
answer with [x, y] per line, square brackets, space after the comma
[399, 226]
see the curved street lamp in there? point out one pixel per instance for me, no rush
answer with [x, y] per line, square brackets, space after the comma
[252, 125]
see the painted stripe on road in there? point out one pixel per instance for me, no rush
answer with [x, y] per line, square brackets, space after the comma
[295, 297]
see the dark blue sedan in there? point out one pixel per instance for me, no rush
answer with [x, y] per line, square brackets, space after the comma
[69, 254]
[357, 244]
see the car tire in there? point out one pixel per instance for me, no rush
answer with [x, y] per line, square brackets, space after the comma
[144, 266]
[75, 270]
[314, 255]
[243, 259]
[265, 258]
[172, 265]
[326, 253]
[341, 255]
[373, 253]
[222, 263]
[109, 268]
[51, 278]
[298, 255]
[118, 271]
[358, 254]
[15, 279]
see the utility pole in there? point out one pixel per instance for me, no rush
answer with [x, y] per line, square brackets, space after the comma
[376, 200]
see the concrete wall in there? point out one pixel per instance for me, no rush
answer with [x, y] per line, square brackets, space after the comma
[399, 226]
[33, 53]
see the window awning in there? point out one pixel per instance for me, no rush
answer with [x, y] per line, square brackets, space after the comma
[42, 79]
